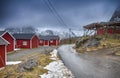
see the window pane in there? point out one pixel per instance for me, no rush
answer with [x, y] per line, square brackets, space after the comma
[24, 42]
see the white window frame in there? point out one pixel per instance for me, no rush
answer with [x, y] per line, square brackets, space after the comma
[41, 41]
[51, 41]
[24, 43]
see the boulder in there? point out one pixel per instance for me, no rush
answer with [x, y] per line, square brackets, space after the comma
[28, 65]
[92, 42]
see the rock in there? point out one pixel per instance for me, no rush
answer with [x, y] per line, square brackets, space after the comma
[20, 76]
[81, 41]
[92, 42]
[86, 42]
[28, 65]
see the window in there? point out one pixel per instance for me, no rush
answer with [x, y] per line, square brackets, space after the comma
[51, 41]
[41, 41]
[24, 42]
[15, 42]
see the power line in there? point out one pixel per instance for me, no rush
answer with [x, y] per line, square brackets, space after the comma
[57, 14]
[70, 31]
[58, 17]
[46, 3]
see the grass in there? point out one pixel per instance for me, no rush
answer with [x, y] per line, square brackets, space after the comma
[104, 43]
[11, 71]
[117, 53]
[45, 60]
[80, 50]
[113, 42]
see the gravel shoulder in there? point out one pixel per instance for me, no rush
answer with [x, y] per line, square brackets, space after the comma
[24, 54]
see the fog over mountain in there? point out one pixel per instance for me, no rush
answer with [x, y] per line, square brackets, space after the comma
[62, 33]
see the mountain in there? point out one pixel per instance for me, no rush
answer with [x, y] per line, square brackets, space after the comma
[62, 33]
[116, 15]
[28, 29]
[47, 32]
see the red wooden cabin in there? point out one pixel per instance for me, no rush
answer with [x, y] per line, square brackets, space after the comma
[8, 37]
[102, 31]
[103, 28]
[26, 40]
[3, 45]
[49, 40]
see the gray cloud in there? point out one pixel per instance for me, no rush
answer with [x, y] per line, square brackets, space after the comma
[75, 13]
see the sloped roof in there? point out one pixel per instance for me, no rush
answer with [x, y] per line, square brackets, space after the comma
[3, 42]
[101, 24]
[48, 37]
[93, 25]
[113, 23]
[23, 35]
[2, 32]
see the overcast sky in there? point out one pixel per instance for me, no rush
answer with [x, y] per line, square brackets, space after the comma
[75, 13]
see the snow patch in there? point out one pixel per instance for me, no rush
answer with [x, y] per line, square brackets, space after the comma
[16, 49]
[62, 33]
[71, 49]
[54, 55]
[57, 69]
[13, 62]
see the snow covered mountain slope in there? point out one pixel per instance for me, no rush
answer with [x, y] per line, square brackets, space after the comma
[116, 15]
[62, 33]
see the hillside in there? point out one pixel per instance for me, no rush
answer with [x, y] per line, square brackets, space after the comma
[98, 43]
[116, 15]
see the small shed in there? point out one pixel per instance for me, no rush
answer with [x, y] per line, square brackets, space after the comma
[3, 45]
[26, 40]
[49, 40]
[8, 37]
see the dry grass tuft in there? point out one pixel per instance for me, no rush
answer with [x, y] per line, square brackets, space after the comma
[11, 71]
[117, 53]
[104, 43]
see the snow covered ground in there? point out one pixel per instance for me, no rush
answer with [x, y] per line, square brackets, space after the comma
[16, 49]
[57, 69]
[13, 62]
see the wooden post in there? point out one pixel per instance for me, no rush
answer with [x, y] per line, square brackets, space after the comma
[96, 30]
[106, 31]
[69, 35]
[87, 32]
[83, 32]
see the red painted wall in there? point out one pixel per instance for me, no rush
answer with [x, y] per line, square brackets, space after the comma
[100, 31]
[41, 42]
[19, 43]
[58, 40]
[109, 31]
[2, 56]
[53, 42]
[46, 42]
[10, 47]
[35, 42]
[49, 43]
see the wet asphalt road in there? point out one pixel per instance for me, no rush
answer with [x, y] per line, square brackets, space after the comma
[88, 66]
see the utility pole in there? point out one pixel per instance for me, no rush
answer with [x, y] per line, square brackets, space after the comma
[69, 35]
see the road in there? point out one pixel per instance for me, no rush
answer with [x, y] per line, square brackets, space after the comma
[28, 53]
[89, 66]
